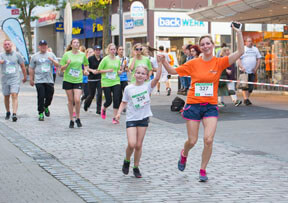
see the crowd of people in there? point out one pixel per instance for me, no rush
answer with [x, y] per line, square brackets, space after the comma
[87, 73]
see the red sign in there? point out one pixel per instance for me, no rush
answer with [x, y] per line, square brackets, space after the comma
[51, 17]
[15, 11]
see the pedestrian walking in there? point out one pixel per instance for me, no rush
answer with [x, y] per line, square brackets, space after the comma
[165, 77]
[11, 63]
[136, 99]
[124, 61]
[110, 70]
[249, 64]
[54, 67]
[201, 102]
[94, 81]
[137, 59]
[230, 74]
[71, 64]
[41, 74]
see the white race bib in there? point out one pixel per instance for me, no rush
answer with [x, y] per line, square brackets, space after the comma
[10, 69]
[111, 75]
[74, 73]
[203, 89]
[45, 67]
[140, 99]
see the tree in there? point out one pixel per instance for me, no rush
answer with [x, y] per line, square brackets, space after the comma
[98, 8]
[26, 7]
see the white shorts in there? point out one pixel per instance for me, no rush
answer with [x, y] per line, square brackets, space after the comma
[8, 89]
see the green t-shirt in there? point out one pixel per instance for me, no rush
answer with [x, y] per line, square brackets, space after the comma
[74, 72]
[112, 78]
[144, 61]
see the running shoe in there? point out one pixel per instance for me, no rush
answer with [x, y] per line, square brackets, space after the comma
[182, 161]
[85, 107]
[47, 112]
[14, 117]
[98, 112]
[125, 167]
[78, 122]
[74, 115]
[248, 102]
[7, 117]
[221, 104]
[158, 92]
[168, 91]
[137, 173]
[71, 125]
[41, 117]
[238, 103]
[103, 114]
[202, 175]
[114, 121]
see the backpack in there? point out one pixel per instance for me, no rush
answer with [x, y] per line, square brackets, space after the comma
[177, 104]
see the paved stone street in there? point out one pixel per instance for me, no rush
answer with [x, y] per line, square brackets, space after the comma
[89, 160]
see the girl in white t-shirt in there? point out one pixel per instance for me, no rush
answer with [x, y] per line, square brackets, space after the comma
[137, 99]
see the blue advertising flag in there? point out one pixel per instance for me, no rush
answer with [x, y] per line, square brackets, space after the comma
[13, 30]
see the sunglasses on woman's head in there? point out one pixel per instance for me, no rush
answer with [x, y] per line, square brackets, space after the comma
[138, 49]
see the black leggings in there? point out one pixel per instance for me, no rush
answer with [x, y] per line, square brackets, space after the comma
[116, 92]
[93, 86]
[123, 85]
[45, 93]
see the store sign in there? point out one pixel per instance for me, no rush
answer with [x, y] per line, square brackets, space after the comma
[137, 10]
[166, 22]
[15, 11]
[87, 28]
[59, 27]
[131, 23]
[50, 17]
[178, 22]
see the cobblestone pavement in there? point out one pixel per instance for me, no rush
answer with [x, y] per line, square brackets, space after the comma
[89, 160]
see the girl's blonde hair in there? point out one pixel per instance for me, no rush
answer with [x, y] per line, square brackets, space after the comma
[134, 47]
[82, 49]
[223, 50]
[206, 36]
[108, 47]
[144, 67]
[87, 51]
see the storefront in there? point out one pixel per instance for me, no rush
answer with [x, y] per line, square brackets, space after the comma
[134, 31]
[175, 29]
[88, 31]
[45, 29]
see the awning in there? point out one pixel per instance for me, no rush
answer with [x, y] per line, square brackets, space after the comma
[245, 11]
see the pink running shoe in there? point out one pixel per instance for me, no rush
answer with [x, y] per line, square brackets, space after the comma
[182, 161]
[202, 175]
[74, 115]
[103, 114]
[114, 121]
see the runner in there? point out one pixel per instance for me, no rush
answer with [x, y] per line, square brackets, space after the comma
[11, 62]
[94, 81]
[137, 100]
[201, 103]
[71, 64]
[110, 69]
[41, 74]
[137, 59]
